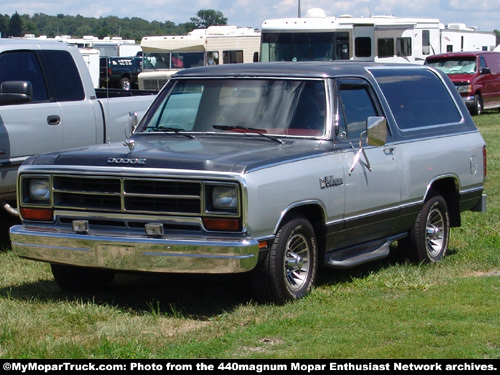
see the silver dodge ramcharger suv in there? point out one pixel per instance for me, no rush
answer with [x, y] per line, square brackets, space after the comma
[268, 168]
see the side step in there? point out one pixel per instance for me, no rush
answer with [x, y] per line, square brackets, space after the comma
[359, 254]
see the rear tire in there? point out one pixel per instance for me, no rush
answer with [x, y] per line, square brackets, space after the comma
[289, 269]
[427, 241]
[125, 83]
[81, 279]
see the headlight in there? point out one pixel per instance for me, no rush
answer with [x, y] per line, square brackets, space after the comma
[225, 198]
[464, 88]
[39, 190]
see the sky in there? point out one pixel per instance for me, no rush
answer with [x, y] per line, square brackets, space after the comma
[485, 14]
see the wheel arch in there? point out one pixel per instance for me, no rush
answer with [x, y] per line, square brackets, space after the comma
[448, 187]
[315, 213]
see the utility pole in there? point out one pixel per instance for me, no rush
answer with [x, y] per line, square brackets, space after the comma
[299, 10]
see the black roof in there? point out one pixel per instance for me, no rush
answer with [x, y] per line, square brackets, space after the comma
[312, 69]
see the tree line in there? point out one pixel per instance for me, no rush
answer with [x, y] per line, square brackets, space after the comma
[127, 28]
[77, 26]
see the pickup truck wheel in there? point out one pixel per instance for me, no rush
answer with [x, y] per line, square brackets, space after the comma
[428, 239]
[125, 83]
[289, 270]
[477, 109]
[78, 279]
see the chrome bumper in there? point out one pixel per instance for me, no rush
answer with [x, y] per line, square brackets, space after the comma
[176, 255]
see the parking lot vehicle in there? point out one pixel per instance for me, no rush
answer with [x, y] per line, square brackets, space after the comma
[48, 102]
[215, 45]
[476, 76]
[272, 169]
[384, 39]
[120, 72]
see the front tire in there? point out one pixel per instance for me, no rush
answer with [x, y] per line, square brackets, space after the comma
[81, 279]
[289, 269]
[428, 239]
[477, 108]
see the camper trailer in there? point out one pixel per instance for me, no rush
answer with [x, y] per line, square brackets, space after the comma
[215, 45]
[375, 38]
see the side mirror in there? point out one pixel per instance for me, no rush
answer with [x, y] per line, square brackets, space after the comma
[485, 70]
[15, 92]
[376, 131]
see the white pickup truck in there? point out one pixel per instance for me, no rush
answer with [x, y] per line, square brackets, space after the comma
[48, 103]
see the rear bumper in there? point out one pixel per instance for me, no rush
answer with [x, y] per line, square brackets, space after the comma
[176, 255]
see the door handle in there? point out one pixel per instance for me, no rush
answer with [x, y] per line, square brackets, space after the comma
[53, 120]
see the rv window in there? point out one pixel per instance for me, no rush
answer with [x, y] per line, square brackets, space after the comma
[363, 47]
[403, 46]
[232, 57]
[426, 42]
[385, 47]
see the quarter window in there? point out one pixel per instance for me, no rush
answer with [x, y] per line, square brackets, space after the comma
[417, 98]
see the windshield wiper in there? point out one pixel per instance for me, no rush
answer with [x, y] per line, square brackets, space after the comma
[246, 130]
[175, 130]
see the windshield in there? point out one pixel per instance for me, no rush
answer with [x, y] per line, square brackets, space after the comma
[305, 46]
[456, 65]
[265, 106]
[172, 60]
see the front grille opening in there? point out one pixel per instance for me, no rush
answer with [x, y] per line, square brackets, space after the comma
[82, 201]
[80, 184]
[158, 204]
[162, 187]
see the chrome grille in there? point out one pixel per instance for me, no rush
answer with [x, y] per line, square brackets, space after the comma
[114, 194]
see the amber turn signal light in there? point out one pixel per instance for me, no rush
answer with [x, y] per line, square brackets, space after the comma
[39, 214]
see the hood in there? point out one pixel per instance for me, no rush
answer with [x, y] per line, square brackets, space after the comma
[219, 153]
[461, 77]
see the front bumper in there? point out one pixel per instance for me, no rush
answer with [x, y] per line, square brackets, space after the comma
[168, 255]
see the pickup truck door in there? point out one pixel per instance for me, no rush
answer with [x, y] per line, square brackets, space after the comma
[26, 128]
[81, 120]
[372, 182]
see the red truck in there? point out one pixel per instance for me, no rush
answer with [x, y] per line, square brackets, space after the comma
[476, 76]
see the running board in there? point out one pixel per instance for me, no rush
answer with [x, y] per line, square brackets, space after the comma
[364, 253]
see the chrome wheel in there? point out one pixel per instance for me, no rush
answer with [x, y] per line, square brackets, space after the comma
[288, 271]
[434, 232]
[297, 267]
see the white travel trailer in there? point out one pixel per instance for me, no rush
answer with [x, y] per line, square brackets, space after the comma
[375, 38]
[165, 55]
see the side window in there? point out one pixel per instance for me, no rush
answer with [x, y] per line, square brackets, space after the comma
[363, 47]
[385, 47]
[417, 98]
[482, 63]
[63, 76]
[403, 46]
[355, 106]
[24, 66]
[232, 57]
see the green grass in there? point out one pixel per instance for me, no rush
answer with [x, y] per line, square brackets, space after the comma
[383, 309]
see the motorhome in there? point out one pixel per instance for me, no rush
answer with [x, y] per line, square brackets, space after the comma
[374, 38]
[215, 45]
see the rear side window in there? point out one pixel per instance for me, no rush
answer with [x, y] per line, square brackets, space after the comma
[417, 98]
[62, 75]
